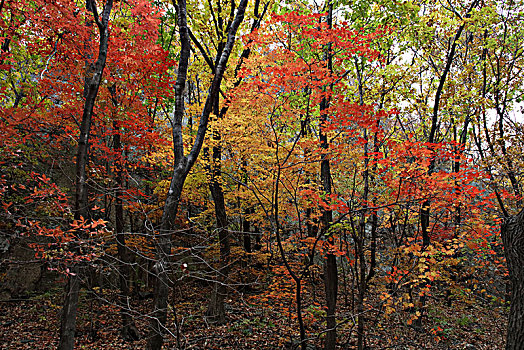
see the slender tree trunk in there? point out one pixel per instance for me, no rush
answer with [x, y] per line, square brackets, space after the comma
[129, 332]
[183, 164]
[92, 83]
[425, 208]
[361, 237]
[216, 310]
[161, 268]
[331, 287]
[330, 264]
[246, 230]
[512, 232]
[69, 311]
[180, 170]
[362, 287]
[301, 328]
[296, 278]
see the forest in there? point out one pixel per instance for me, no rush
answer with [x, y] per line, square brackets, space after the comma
[260, 174]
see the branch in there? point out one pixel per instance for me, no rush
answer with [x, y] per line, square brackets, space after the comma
[202, 51]
[215, 86]
[443, 77]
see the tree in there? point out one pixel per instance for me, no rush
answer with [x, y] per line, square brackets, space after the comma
[496, 134]
[93, 77]
[512, 232]
[182, 163]
[216, 310]
[296, 73]
[55, 94]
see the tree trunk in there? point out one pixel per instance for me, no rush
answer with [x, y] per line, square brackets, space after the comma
[129, 332]
[69, 311]
[216, 310]
[162, 266]
[92, 83]
[246, 230]
[330, 264]
[331, 286]
[183, 164]
[180, 171]
[425, 209]
[512, 232]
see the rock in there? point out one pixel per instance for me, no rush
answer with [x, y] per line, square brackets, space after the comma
[22, 273]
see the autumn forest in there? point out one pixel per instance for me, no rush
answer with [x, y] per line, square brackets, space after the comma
[259, 174]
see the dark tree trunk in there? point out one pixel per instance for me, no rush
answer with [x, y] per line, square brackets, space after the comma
[161, 267]
[69, 311]
[216, 310]
[362, 287]
[360, 238]
[92, 83]
[425, 209]
[330, 264]
[163, 238]
[246, 231]
[183, 164]
[258, 239]
[512, 232]
[331, 286]
[129, 332]
[296, 278]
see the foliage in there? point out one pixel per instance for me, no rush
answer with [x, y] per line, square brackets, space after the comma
[419, 102]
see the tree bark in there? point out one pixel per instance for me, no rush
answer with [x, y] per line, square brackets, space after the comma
[216, 309]
[425, 209]
[512, 232]
[330, 264]
[183, 164]
[246, 230]
[92, 83]
[129, 332]
[69, 311]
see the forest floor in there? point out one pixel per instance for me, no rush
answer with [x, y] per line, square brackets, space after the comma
[33, 323]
